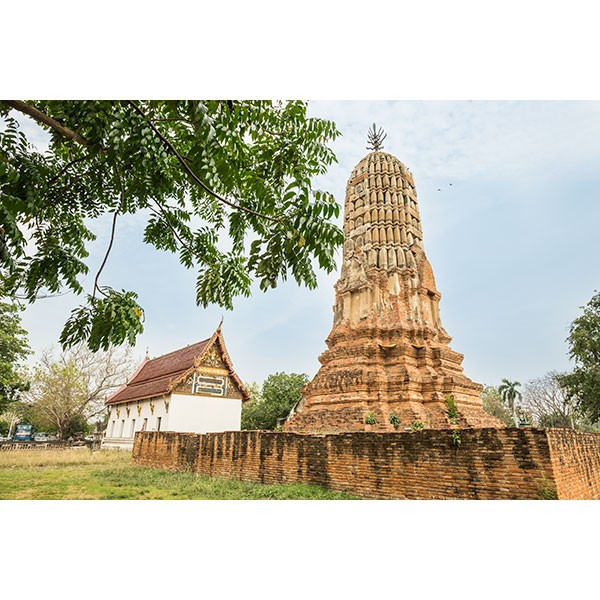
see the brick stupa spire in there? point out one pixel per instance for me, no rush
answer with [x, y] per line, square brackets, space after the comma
[388, 358]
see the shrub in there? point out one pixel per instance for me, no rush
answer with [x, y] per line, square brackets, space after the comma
[546, 490]
[370, 418]
[451, 409]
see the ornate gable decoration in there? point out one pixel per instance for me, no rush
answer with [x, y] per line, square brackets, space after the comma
[212, 373]
[212, 358]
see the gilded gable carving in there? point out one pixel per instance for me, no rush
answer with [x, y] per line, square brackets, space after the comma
[211, 375]
[213, 358]
[233, 391]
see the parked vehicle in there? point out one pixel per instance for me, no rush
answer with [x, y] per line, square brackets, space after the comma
[41, 437]
[23, 433]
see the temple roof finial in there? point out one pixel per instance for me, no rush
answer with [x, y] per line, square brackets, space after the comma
[375, 138]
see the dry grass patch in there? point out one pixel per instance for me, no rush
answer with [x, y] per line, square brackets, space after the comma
[80, 474]
[71, 456]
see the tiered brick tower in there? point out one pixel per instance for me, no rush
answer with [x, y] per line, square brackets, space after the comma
[388, 357]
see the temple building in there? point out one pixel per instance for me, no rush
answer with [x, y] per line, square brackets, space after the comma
[388, 364]
[194, 389]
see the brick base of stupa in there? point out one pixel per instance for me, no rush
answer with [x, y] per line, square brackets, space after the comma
[387, 417]
[368, 383]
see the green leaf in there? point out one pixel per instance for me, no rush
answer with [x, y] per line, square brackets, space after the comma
[208, 174]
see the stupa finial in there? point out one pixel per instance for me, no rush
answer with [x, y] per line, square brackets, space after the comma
[375, 138]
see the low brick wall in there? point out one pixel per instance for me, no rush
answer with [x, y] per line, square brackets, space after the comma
[576, 463]
[429, 464]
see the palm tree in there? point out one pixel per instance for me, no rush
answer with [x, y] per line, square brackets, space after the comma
[509, 392]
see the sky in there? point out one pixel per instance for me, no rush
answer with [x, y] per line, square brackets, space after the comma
[513, 242]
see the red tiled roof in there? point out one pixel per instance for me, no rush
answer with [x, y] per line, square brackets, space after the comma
[154, 377]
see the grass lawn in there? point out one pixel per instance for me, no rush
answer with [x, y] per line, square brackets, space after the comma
[109, 475]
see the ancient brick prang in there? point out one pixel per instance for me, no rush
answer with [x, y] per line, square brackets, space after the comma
[388, 364]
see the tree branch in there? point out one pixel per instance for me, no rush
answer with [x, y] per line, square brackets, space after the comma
[163, 216]
[41, 296]
[191, 173]
[69, 164]
[42, 117]
[112, 235]
[180, 120]
[161, 213]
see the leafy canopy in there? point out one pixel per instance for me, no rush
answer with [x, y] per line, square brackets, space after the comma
[69, 389]
[226, 185]
[494, 404]
[583, 383]
[14, 348]
[274, 401]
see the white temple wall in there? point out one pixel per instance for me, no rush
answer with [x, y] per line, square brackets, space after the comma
[204, 414]
[150, 415]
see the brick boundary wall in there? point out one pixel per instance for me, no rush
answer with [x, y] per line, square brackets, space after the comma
[429, 464]
[576, 463]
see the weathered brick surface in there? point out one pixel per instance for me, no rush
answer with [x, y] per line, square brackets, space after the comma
[387, 353]
[576, 463]
[487, 464]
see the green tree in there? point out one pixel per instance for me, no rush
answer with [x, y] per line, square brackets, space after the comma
[69, 390]
[494, 404]
[14, 348]
[251, 410]
[582, 385]
[274, 401]
[510, 394]
[226, 185]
